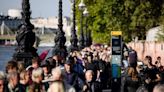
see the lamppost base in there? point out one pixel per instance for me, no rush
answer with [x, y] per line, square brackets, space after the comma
[26, 58]
[72, 48]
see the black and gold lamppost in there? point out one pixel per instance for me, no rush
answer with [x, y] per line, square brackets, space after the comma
[25, 37]
[73, 39]
[81, 38]
[60, 39]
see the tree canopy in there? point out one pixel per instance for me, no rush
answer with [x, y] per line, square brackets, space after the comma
[132, 17]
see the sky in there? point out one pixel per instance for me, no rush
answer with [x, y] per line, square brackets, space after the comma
[39, 8]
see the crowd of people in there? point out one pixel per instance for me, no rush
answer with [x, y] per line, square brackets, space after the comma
[141, 76]
[88, 70]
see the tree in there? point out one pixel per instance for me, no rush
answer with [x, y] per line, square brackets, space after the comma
[132, 17]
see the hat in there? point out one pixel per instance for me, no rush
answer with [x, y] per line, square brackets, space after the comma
[69, 60]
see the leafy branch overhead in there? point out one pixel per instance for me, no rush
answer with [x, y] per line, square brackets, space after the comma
[132, 17]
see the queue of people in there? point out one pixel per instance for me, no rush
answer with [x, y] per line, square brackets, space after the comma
[87, 70]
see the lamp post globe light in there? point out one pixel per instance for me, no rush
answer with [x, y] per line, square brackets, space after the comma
[73, 39]
[81, 38]
[85, 13]
[60, 39]
[25, 37]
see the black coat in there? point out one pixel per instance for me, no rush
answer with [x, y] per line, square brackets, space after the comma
[93, 87]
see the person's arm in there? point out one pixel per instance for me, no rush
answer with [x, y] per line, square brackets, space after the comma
[98, 75]
[157, 79]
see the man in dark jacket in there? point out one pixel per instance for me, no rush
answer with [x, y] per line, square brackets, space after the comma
[70, 77]
[90, 85]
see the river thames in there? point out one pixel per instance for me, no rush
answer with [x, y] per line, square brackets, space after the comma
[6, 53]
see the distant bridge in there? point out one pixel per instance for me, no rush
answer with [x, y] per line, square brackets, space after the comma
[7, 37]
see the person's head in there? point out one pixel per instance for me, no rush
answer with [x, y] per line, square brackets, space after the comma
[24, 77]
[11, 66]
[13, 78]
[68, 64]
[37, 75]
[56, 86]
[51, 61]
[57, 74]
[56, 57]
[21, 66]
[35, 62]
[159, 58]
[159, 88]
[45, 65]
[148, 60]
[2, 81]
[90, 57]
[89, 75]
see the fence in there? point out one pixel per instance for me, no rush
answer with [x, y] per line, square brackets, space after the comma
[153, 49]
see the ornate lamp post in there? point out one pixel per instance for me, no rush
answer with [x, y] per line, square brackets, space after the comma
[73, 39]
[81, 38]
[60, 48]
[85, 13]
[25, 37]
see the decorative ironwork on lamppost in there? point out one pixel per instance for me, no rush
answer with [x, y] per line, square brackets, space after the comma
[89, 38]
[86, 39]
[73, 39]
[25, 37]
[60, 39]
[81, 38]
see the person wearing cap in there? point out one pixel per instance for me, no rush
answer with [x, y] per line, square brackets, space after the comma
[45, 65]
[46, 69]
[70, 77]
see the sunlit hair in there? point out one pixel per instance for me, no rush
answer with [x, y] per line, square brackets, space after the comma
[2, 75]
[12, 75]
[20, 65]
[89, 71]
[158, 88]
[36, 73]
[23, 74]
[35, 60]
[11, 65]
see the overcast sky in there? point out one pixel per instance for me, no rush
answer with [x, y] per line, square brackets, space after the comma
[39, 8]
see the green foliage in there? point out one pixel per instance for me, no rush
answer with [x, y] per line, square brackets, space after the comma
[132, 17]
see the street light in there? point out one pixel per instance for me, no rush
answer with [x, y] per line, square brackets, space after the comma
[60, 39]
[85, 13]
[25, 37]
[81, 38]
[73, 39]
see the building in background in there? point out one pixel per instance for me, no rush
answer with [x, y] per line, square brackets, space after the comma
[45, 28]
[15, 13]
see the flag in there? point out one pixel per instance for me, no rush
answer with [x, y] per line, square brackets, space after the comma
[43, 55]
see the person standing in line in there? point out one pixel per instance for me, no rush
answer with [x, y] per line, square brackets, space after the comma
[2, 82]
[91, 85]
[57, 77]
[24, 80]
